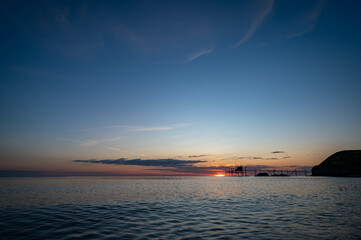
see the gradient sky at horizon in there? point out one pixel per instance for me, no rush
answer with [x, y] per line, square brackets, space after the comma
[258, 83]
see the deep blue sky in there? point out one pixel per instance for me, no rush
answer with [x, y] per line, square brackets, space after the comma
[172, 79]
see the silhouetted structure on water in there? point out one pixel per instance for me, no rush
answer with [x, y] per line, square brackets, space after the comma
[241, 171]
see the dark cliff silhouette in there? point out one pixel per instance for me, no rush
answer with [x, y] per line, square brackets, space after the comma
[344, 163]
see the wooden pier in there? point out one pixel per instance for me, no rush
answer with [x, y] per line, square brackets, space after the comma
[241, 171]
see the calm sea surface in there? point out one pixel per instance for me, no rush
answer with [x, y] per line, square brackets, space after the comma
[180, 208]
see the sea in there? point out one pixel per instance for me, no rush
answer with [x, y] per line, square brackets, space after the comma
[180, 208]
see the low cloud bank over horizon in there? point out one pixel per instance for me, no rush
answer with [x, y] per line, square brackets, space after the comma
[146, 163]
[178, 166]
[171, 165]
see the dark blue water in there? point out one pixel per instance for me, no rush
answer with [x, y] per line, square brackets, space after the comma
[180, 208]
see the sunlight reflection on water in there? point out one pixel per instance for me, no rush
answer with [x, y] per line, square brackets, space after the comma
[180, 207]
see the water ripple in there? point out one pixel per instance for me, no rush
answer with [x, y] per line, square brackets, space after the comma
[297, 208]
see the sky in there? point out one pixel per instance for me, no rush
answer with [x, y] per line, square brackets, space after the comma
[177, 87]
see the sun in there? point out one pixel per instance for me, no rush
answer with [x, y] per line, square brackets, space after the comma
[219, 175]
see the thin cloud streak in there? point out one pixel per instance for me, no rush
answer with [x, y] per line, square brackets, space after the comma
[314, 14]
[197, 156]
[148, 129]
[278, 152]
[257, 21]
[197, 55]
[309, 20]
[294, 35]
[112, 148]
[92, 142]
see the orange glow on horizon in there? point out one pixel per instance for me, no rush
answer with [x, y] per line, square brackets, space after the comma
[219, 175]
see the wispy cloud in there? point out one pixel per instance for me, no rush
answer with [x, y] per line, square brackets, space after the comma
[278, 152]
[196, 55]
[308, 20]
[148, 129]
[313, 15]
[112, 148]
[257, 21]
[197, 156]
[92, 142]
[297, 34]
